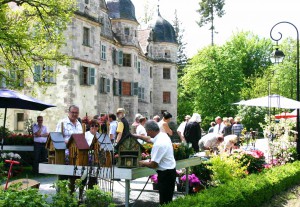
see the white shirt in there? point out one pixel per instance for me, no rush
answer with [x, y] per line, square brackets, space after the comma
[181, 127]
[44, 130]
[219, 128]
[140, 130]
[162, 152]
[113, 129]
[69, 128]
[89, 137]
[210, 140]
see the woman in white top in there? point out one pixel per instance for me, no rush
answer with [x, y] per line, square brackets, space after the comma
[89, 136]
[140, 130]
[164, 123]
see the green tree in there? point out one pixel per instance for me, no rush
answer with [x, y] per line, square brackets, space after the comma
[207, 77]
[148, 13]
[32, 33]
[219, 76]
[208, 10]
[181, 56]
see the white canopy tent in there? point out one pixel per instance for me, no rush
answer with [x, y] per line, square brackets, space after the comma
[270, 101]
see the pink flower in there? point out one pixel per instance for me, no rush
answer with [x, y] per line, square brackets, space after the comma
[154, 178]
[193, 180]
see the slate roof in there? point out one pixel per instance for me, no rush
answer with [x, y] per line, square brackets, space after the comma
[80, 141]
[121, 9]
[143, 36]
[57, 139]
[163, 31]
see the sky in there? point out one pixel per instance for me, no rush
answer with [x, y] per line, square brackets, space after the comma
[257, 16]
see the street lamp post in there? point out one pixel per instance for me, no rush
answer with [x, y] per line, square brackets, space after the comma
[278, 56]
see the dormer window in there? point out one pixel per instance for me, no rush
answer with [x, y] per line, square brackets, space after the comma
[167, 54]
[126, 31]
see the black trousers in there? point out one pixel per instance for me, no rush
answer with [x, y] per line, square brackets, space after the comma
[166, 185]
[40, 155]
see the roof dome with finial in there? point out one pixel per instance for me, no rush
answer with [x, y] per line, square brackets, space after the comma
[163, 31]
[121, 9]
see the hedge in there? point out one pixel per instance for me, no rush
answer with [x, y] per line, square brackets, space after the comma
[252, 191]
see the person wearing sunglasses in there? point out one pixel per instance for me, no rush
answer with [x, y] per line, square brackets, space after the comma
[89, 136]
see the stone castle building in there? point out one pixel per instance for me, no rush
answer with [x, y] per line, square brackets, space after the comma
[114, 64]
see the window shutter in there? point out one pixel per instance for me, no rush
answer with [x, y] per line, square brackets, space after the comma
[91, 78]
[139, 67]
[21, 78]
[143, 93]
[101, 85]
[37, 73]
[49, 76]
[136, 88]
[108, 85]
[81, 75]
[140, 92]
[120, 57]
[120, 88]
[132, 89]
[114, 56]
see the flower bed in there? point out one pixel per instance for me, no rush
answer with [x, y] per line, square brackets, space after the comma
[18, 139]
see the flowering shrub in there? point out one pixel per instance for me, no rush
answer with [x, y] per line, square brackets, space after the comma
[19, 139]
[148, 148]
[182, 151]
[193, 180]
[10, 155]
[253, 160]
[282, 152]
[154, 178]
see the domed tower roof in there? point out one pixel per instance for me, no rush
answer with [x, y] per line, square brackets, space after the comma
[163, 31]
[121, 9]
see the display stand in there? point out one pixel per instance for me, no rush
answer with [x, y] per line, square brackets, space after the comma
[119, 173]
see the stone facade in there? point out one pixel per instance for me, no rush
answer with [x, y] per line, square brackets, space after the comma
[114, 64]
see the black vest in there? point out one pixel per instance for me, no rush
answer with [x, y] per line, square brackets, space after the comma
[126, 130]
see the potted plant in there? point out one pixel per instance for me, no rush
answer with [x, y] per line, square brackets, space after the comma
[195, 184]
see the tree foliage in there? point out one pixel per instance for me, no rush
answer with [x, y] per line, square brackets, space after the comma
[32, 33]
[208, 10]
[219, 76]
[181, 56]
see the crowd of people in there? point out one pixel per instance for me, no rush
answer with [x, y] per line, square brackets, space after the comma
[156, 131]
[226, 131]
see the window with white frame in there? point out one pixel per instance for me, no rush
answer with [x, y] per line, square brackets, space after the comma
[86, 36]
[103, 52]
[126, 60]
[87, 76]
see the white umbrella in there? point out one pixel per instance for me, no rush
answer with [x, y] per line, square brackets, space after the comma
[274, 100]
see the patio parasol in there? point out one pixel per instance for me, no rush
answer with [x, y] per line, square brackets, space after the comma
[286, 115]
[274, 100]
[13, 99]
